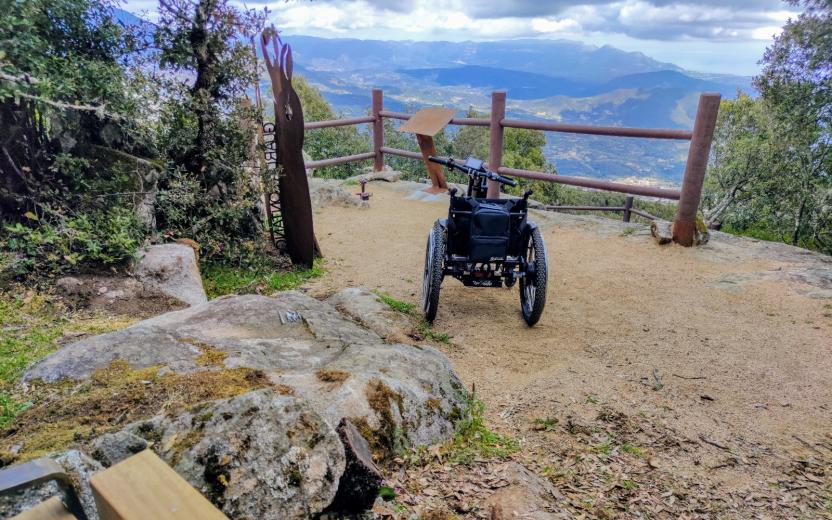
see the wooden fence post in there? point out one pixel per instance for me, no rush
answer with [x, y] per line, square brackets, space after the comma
[378, 130]
[495, 146]
[684, 225]
[628, 205]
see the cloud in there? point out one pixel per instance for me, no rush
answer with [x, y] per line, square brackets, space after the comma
[712, 20]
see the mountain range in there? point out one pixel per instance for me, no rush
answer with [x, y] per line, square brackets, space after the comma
[558, 80]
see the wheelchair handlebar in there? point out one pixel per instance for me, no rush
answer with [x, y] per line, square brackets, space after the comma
[477, 172]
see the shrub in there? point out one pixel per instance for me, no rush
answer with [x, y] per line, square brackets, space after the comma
[105, 238]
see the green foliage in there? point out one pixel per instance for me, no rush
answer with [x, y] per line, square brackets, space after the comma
[326, 143]
[548, 424]
[474, 440]
[633, 450]
[100, 238]
[220, 279]
[396, 305]
[425, 330]
[769, 175]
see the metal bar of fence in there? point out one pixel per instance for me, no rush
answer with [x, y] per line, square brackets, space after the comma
[616, 131]
[584, 182]
[332, 123]
[401, 153]
[340, 160]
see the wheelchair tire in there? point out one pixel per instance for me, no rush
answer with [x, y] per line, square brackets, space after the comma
[432, 280]
[533, 288]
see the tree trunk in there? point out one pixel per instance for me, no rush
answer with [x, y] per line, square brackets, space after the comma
[798, 221]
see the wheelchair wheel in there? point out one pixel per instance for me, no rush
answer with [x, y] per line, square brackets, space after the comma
[432, 280]
[533, 285]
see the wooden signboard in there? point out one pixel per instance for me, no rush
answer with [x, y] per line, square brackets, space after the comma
[426, 123]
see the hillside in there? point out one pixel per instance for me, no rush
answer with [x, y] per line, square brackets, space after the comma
[559, 80]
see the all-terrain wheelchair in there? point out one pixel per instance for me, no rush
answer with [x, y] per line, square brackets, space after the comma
[485, 243]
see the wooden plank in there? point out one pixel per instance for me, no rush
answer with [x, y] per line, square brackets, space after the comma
[143, 487]
[52, 509]
[428, 121]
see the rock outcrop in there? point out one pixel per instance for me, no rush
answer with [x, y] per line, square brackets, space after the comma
[246, 452]
[369, 310]
[172, 270]
[257, 455]
[328, 192]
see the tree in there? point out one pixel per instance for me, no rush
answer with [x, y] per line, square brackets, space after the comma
[208, 191]
[326, 143]
[742, 155]
[65, 99]
[796, 84]
[769, 174]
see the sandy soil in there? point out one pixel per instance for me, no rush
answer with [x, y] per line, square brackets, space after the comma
[700, 378]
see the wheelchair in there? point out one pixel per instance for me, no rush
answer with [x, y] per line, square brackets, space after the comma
[485, 243]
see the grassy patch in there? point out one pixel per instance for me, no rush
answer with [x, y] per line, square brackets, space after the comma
[547, 425]
[474, 440]
[424, 329]
[31, 324]
[220, 279]
[396, 305]
[633, 450]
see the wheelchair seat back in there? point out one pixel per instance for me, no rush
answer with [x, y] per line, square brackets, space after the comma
[485, 229]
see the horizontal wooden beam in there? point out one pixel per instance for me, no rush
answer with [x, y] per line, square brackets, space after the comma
[401, 153]
[584, 208]
[332, 123]
[617, 131]
[584, 182]
[340, 160]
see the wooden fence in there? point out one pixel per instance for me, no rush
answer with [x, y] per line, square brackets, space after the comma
[688, 196]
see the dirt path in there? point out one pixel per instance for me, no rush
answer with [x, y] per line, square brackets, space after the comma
[702, 369]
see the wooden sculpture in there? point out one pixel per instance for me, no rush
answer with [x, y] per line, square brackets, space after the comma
[295, 203]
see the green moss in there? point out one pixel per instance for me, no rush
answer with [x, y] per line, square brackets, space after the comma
[387, 439]
[210, 355]
[62, 415]
[221, 279]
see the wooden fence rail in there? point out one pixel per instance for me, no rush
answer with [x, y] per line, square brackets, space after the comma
[688, 196]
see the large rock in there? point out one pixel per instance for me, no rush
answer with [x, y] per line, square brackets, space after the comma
[325, 192]
[257, 455]
[394, 393]
[172, 270]
[369, 310]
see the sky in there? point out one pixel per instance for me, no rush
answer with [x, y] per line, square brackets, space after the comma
[719, 36]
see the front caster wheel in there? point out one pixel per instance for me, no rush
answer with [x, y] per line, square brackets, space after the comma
[432, 278]
[533, 285]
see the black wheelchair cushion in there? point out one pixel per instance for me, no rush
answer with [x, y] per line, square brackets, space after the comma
[490, 231]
